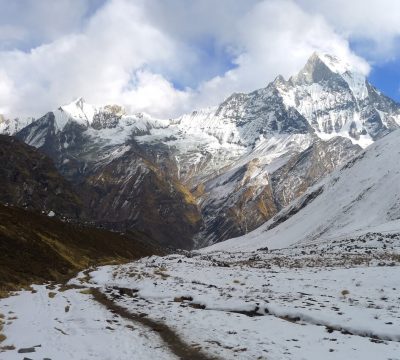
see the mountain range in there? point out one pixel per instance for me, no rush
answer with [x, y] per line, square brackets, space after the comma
[206, 176]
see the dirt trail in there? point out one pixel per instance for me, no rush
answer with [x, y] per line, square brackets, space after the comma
[181, 349]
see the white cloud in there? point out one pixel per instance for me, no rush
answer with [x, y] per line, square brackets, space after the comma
[153, 93]
[276, 37]
[97, 63]
[374, 23]
[131, 52]
[5, 93]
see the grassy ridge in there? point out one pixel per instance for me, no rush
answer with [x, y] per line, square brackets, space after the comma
[36, 248]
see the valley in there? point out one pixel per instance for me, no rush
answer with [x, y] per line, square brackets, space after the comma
[266, 227]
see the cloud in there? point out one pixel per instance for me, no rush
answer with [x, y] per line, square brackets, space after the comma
[153, 93]
[373, 25]
[32, 22]
[135, 52]
[276, 37]
[98, 63]
[5, 93]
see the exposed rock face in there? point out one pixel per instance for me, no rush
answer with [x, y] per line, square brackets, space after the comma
[239, 210]
[129, 192]
[218, 172]
[306, 168]
[108, 118]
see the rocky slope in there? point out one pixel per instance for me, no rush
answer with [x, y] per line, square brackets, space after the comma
[29, 179]
[247, 196]
[129, 192]
[218, 172]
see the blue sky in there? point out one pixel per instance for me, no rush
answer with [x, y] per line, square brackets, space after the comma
[386, 77]
[166, 57]
[27, 24]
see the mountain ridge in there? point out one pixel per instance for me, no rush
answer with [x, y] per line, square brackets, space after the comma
[231, 158]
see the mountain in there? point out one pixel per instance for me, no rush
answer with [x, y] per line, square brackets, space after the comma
[129, 192]
[222, 171]
[94, 149]
[242, 199]
[362, 197]
[338, 101]
[29, 179]
[44, 233]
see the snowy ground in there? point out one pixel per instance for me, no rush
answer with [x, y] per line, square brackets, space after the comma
[330, 301]
[71, 326]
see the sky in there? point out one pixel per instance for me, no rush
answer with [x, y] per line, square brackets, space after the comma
[167, 57]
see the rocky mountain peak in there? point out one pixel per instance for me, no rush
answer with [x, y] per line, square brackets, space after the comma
[280, 83]
[115, 109]
[318, 68]
[89, 116]
[79, 102]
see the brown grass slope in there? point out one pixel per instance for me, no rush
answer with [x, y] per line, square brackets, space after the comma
[35, 248]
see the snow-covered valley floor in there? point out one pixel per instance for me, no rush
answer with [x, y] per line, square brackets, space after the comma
[308, 303]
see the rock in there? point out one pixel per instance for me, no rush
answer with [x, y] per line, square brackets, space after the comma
[26, 350]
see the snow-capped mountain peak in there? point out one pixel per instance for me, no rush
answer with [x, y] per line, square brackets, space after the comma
[324, 67]
[354, 78]
[314, 71]
[337, 100]
[78, 111]
[335, 64]
[89, 116]
[332, 62]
